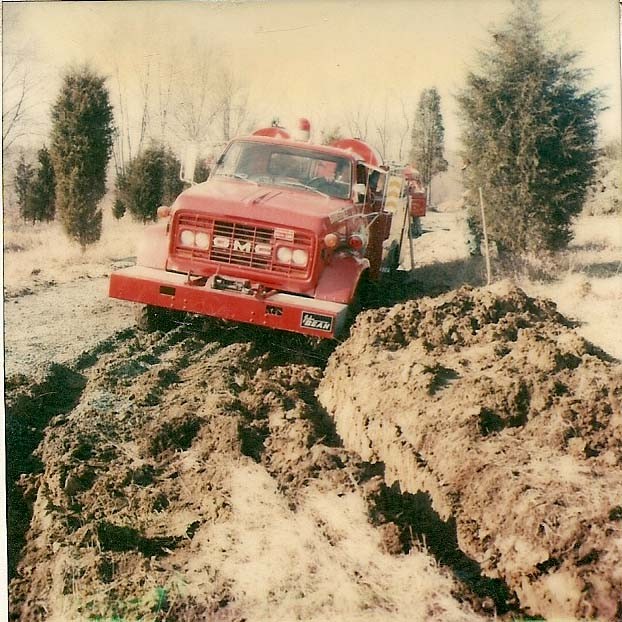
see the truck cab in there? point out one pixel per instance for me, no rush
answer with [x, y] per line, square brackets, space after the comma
[283, 234]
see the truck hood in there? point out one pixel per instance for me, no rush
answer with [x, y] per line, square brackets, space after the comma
[277, 205]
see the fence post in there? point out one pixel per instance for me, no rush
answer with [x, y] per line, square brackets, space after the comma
[486, 249]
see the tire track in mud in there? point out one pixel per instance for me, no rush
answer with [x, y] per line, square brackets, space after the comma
[136, 468]
[29, 410]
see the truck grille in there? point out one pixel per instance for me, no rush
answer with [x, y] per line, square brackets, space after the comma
[241, 244]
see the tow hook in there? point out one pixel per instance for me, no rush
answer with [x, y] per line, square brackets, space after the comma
[198, 281]
[263, 292]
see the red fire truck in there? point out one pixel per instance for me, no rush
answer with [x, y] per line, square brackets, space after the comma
[284, 234]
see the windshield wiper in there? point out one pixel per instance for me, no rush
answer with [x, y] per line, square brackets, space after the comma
[299, 184]
[237, 176]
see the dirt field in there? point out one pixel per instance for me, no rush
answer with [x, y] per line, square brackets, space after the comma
[455, 459]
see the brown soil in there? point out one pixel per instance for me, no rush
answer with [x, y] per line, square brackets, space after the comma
[456, 458]
[511, 422]
[134, 471]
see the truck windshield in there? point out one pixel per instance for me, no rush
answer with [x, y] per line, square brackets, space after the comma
[281, 165]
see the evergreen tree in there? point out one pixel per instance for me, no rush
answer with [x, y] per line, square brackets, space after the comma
[24, 176]
[119, 208]
[81, 147]
[428, 135]
[151, 180]
[529, 136]
[44, 188]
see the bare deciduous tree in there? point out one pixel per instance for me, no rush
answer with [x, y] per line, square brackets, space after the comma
[197, 102]
[233, 104]
[164, 97]
[403, 130]
[18, 93]
[383, 131]
[357, 122]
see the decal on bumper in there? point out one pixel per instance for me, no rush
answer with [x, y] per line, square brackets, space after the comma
[316, 321]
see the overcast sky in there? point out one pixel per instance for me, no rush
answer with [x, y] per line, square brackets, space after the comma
[316, 59]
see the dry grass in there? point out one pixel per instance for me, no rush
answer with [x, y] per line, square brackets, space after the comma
[40, 254]
[271, 563]
[321, 562]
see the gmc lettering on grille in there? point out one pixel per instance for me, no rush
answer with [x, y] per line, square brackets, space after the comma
[242, 246]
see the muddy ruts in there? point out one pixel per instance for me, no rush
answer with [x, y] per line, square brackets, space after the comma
[134, 478]
[31, 405]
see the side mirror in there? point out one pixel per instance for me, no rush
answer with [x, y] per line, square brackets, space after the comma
[359, 191]
[189, 163]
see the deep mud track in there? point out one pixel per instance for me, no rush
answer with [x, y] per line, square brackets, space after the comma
[239, 474]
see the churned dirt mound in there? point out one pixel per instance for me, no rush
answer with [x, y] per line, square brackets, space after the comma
[487, 400]
[194, 476]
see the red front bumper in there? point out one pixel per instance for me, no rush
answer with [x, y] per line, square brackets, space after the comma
[318, 318]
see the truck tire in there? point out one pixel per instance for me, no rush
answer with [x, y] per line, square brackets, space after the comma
[360, 301]
[415, 227]
[394, 262]
[149, 318]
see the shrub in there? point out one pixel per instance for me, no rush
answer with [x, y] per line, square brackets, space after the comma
[202, 171]
[24, 176]
[44, 188]
[151, 180]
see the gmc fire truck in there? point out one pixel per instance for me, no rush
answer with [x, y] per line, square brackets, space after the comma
[284, 234]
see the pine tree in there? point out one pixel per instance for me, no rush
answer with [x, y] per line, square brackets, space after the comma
[151, 180]
[44, 188]
[529, 136]
[120, 185]
[428, 135]
[81, 147]
[24, 176]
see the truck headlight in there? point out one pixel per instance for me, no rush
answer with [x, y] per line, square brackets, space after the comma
[284, 254]
[201, 239]
[300, 257]
[186, 237]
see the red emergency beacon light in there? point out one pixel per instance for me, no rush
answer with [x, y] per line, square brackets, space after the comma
[303, 130]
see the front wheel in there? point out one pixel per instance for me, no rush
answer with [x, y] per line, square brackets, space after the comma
[363, 299]
[415, 227]
[149, 318]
